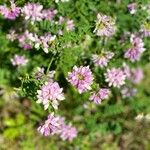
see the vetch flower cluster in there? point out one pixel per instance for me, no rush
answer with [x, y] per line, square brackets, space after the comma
[97, 97]
[33, 12]
[50, 92]
[115, 77]
[105, 25]
[29, 40]
[102, 59]
[10, 13]
[134, 53]
[56, 125]
[81, 77]
[19, 60]
[128, 92]
[136, 75]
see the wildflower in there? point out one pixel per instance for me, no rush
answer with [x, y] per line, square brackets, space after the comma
[68, 132]
[132, 8]
[19, 60]
[134, 53]
[51, 126]
[27, 40]
[45, 41]
[115, 77]
[105, 25]
[10, 13]
[136, 75]
[33, 12]
[102, 59]
[70, 25]
[128, 92]
[102, 94]
[81, 78]
[50, 92]
[49, 14]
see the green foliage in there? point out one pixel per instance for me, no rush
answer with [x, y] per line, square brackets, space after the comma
[109, 126]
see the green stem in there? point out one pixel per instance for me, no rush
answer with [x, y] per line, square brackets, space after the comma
[49, 65]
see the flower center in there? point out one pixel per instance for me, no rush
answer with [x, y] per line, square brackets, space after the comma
[80, 77]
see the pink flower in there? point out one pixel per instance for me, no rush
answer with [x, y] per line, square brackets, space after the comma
[51, 126]
[115, 77]
[27, 40]
[49, 14]
[68, 132]
[136, 75]
[45, 41]
[19, 60]
[10, 13]
[33, 12]
[56, 125]
[81, 78]
[50, 92]
[132, 8]
[105, 25]
[128, 92]
[134, 53]
[102, 94]
[102, 59]
[70, 25]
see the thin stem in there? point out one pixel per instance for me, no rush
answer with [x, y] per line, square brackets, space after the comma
[49, 65]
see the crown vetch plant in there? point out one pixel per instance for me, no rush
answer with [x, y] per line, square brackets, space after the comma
[82, 52]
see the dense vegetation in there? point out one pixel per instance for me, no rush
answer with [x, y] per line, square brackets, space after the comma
[87, 61]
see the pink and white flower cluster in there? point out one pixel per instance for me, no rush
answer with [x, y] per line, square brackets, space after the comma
[115, 77]
[28, 40]
[50, 92]
[81, 77]
[105, 25]
[56, 125]
[31, 11]
[135, 75]
[134, 53]
[18, 60]
[35, 12]
[10, 13]
[97, 97]
[102, 59]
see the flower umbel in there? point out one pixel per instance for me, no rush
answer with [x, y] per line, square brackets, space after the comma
[102, 59]
[102, 94]
[115, 77]
[134, 53]
[19, 60]
[50, 92]
[81, 78]
[105, 25]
